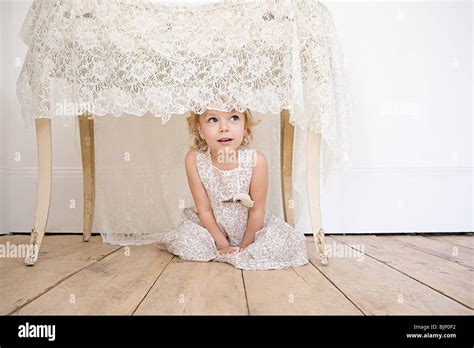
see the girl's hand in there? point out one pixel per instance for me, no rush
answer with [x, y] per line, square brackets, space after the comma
[227, 250]
[242, 246]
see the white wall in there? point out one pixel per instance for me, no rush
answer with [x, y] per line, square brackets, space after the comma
[412, 159]
[412, 124]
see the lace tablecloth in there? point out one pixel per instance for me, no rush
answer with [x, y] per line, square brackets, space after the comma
[135, 57]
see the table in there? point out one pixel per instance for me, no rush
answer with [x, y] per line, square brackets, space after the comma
[115, 57]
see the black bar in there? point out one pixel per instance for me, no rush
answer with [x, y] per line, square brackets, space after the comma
[209, 330]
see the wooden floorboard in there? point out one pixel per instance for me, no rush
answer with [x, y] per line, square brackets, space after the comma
[196, 288]
[114, 285]
[300, 290]
[459, 254]
[461, 240]
[377, 288]
[444, 276]
[390, 275]
[60, 257]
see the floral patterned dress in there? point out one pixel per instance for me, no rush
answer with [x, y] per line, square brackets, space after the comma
[277, 245]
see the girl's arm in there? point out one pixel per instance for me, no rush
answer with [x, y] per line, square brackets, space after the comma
[258, 193]
[201, 200]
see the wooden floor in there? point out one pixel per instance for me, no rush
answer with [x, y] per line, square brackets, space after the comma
[378, 275]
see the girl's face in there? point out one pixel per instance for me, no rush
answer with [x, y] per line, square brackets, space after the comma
[215, 126]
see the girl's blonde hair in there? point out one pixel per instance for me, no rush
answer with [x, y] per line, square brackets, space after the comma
[198, 144]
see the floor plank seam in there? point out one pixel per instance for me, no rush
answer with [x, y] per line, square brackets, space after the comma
[342, 292]
[300, 276]
[245, 292]
[452, 243]
[427, 252]
[151, 287]
[62, 280]
[409, 276]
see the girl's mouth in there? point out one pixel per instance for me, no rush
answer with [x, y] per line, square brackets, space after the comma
[225, 140]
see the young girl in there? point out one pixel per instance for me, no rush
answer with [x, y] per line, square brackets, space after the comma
[228, 182]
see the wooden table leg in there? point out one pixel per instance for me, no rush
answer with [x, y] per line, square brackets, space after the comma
[86, 129]
[312, 179]
[287, 131]
[43, 198]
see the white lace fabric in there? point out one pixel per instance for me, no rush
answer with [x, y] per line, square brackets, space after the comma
[137, 57]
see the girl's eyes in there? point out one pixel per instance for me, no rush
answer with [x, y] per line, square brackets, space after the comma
[213, 118]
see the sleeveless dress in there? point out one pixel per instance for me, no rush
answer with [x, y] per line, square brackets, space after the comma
[277, 244]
